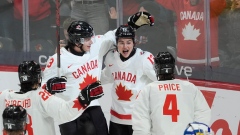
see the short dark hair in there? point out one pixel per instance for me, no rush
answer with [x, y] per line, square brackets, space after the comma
[15, 132]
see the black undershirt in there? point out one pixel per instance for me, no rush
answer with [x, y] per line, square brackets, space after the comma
[75, 52]
[131, 54]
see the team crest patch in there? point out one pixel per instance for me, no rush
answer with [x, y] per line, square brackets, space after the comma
[78, 27]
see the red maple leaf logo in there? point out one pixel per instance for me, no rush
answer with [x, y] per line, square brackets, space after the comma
[123, 93]
[86, 81]
[77, 104]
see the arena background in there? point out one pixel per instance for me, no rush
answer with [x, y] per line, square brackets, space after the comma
[219, 84]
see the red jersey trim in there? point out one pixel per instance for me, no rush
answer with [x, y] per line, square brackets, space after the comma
[121, 116]
[211, 84]
[203, 83]
[7, 68]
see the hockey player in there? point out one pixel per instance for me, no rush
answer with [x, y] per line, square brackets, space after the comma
[129, 69]
[40, 105]
[14, 120]
[81, 63]
[166, 106]
[191, 29]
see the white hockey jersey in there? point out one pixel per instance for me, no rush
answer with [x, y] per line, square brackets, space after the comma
[80, 70]
[128, 78]
[42, 108]
[166, 108]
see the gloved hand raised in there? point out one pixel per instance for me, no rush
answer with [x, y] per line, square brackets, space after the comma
[56, 85]
[90, 92]
[139, 19]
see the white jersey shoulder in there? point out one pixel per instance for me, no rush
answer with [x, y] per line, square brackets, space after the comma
[42, 108]
[162, 97]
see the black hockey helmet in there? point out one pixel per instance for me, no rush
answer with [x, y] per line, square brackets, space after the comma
[78, 30]
[125, 31]
[29, 71]
[164, 64]
[14, 118]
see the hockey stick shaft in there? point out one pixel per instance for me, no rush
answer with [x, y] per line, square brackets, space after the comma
[57, 2]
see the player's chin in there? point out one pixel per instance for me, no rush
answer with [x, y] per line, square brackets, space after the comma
[87, 49]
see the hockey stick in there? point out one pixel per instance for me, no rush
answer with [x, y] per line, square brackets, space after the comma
[57, 2]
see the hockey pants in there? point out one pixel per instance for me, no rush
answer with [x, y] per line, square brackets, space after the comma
[91, 122]
[119, 129]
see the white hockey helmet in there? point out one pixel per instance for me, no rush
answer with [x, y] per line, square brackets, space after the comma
[197, 128]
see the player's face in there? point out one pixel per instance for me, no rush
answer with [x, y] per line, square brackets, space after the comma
[194, 2]
[87, 44]
[125, 46]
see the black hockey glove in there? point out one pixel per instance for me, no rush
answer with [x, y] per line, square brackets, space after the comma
[56, 85]
[139, 19]
[91, 92]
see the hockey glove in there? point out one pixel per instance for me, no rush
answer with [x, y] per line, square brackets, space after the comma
[56, 85]
[91, 92]
[139, 19]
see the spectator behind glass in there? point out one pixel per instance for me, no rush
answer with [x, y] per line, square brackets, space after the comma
[162, 34]
[191, 38]
[129, 7]
[65, 9]
[39, 21]
[93, 12]
[6, 13]
[66, 24]
[230, 35]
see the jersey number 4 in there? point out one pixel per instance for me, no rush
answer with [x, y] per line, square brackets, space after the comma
[170, 107]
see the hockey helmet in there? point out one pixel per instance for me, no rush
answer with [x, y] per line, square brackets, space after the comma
[125, 31]
[14, 118]
[164, 63]
[29, 71]
[197, 128]
[78, 30]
